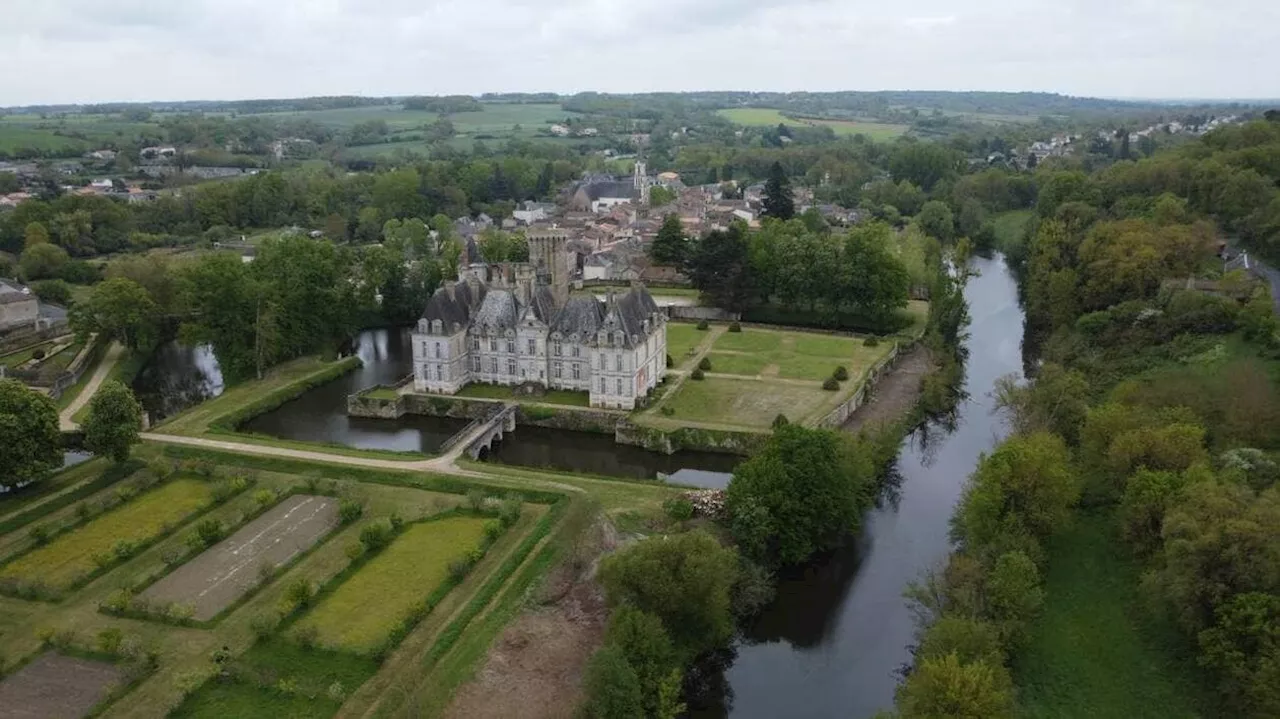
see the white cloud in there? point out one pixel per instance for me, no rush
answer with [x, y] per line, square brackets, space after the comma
[92, 51]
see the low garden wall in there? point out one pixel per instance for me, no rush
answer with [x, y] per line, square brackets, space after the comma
[838, 416]
[670, 441]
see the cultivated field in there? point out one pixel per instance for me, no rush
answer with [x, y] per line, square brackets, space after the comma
[364, 609]
[219, 576]
[54, 685]
[71, 556]
[766, 117]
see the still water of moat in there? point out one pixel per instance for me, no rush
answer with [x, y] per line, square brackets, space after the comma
[834, 640]
[178, 377]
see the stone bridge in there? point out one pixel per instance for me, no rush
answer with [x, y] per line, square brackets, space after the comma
[481, 434]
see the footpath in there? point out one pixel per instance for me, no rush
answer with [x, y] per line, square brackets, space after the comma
[109, 360]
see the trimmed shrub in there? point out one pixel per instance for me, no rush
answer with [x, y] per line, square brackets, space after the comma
[705, 364]
[670, 362]
[702, 325]
[841, 374]
[349, 510]
[39, 534]
[871, 342]
[735, 327]
[780, 421]
[375, 536]
[831, 385]
[697, 374]
[38, 354]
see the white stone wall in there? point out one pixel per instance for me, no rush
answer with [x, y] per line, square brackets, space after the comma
[439, 362]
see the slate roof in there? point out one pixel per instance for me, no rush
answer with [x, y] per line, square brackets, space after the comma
[498, 311]
[454, 302]
[582, 316]
[544, 304]
[13, 292]
[630, 310]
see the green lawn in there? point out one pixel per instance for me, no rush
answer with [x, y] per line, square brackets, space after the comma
[1095, 652]
[382, 393]
[363, 610]
[750, 340]
[59, 563]
[682, 339]
[796, 355]
[748, 404]
[744, 364]
[572, 398]
[16, 359]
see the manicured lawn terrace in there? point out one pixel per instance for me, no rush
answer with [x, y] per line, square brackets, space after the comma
[69, 556]
[1095, 651]
[792, 355]
[757, 374]
[683, 338]
[382, 393]
[363, 610]
[554, 396]
[60, 360]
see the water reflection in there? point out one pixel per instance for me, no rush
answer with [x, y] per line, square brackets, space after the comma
[592, 453]
[177, 377]
[833, 640]
[320, 415]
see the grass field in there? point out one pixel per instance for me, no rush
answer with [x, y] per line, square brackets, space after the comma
[682, 338]
[793, 355]
[363, 610]
[764, 117]
[1090, 653]
[554, 396]
[70, 555]
[743, 364]
[746, 403]
[382, 393]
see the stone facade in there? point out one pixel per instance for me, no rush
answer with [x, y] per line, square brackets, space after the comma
[515, 324]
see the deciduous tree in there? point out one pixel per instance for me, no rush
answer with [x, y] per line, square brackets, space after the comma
[114, 420]
[30, 442]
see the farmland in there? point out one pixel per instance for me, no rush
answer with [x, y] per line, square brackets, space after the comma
[765, 117]
[436, 533]
[219, 576]
[55, 685]
[364, 609]
[73, 555]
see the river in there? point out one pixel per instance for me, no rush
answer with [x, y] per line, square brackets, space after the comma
[834, 640]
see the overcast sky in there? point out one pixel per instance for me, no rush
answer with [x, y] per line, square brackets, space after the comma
[62, 51]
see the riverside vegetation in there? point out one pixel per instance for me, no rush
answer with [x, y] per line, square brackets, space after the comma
[1119, 554]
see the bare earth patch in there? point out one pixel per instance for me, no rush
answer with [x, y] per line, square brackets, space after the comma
[895, 394]
[534, 670]
[54, 686]
[220, 575]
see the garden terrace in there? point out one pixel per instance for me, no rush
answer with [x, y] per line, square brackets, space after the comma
[753, 375]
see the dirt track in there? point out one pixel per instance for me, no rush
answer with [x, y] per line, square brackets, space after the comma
[217, 577]
[56, 687]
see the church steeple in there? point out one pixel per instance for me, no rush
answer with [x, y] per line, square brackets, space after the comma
[641, 181]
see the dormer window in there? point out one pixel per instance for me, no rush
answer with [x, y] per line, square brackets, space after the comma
[437, 327]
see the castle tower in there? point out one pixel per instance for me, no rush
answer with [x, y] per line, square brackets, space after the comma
[641, 181]
[549, 253]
